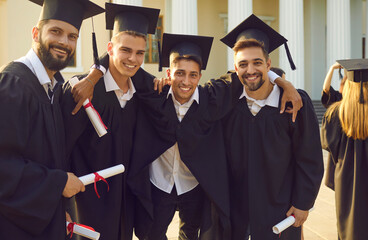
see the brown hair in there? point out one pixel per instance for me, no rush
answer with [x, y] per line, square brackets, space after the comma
[352, 113]
[129, 32]
[175, 58]
[249, 43]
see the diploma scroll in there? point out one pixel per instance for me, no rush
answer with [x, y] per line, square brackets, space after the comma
[284, 224]
[106, 173]
[92, 113]
[84, 231]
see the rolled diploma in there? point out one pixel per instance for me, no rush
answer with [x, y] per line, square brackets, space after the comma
[281, 226]
[287, 222]
[92, 114]
[85, 232]
[106, 173]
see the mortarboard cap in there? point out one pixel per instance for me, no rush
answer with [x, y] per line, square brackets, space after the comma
[70, 11]
[357, 71]
[255, 28]
[186, 45]
[131, 18]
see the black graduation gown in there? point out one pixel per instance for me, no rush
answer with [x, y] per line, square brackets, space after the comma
[274, 164]
[327, 100]
[31, 158]
[112, 214]
[201, 147]
[351, 180]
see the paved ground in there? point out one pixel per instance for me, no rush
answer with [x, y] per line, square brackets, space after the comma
[321, 223]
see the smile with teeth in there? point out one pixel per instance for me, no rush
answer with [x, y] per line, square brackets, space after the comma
[129, 66]
[252, 78]
[185, 89]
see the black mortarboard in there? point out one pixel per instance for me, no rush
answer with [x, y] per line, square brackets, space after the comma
[255, 28]
[186, 45]
[70, 11]
[357, 71]
[131, 18]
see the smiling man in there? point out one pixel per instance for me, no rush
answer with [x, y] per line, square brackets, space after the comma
[115, 99]
[275, 164]
[33, 177]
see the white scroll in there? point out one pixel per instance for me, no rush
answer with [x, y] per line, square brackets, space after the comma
[92, 113]
[106, 173]
[84, 231]
[284, 224]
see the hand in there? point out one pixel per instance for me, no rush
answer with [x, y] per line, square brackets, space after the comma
[73, 186]
[300, 216]
[160, 83]
[336, 65]
[291, 95]
[69, 219]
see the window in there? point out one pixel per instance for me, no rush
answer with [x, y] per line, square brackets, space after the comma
[152, 47]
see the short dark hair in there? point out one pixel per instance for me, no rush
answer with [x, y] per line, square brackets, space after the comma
[248, 43]
[278, 71]
[176, 59]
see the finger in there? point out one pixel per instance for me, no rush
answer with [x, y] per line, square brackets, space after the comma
[295, 113]
[290, 212]
[160, 86]
[76, 109]
[83, 188]
[283, 104]
[155, 84]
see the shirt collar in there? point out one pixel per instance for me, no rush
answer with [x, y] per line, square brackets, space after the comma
[34, 63]
[111, 85]
[194, 97]
[272, 99]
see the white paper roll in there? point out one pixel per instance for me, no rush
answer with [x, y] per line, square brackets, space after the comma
[287, 222]
[281, 226]
[92, 113]
[85, 232]
[106, 173]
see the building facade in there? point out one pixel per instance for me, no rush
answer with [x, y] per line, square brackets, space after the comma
[319, 32]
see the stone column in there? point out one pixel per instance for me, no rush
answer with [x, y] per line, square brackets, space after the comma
[338, 34]
[238, 11]
[292, 28]
[184, 17]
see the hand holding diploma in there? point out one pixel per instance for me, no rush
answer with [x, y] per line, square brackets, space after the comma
[92, 113]
[101, 175]
[296, 217]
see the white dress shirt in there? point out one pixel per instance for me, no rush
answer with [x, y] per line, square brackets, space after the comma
[111, 85]
[32, 61]
[169, 169]
[256, 105]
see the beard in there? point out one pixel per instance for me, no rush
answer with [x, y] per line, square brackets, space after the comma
[253, 86]
[51, 62]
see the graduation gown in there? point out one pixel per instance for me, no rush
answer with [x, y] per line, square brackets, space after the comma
[274, 164]
[32, 157]
[112, 214]
[350, 158]
[200, 142]
[328, 99]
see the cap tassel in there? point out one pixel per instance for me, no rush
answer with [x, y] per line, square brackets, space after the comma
[340, 75]
[94, 45]
[159, 56]
[292, 65]
[361, 98]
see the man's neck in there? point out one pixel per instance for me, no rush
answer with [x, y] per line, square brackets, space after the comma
[121, 81]
[262, 93]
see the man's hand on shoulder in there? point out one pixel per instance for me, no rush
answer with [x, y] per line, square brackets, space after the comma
[290, 95]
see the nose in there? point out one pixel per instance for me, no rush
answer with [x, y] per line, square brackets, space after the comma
[185, 80]
[251, 69]
[132, 57]
[63, 40]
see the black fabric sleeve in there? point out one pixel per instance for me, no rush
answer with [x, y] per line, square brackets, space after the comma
[29, 192]
[308, 155]
[330, 98]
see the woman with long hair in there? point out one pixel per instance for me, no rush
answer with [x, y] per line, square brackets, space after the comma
[345, 135]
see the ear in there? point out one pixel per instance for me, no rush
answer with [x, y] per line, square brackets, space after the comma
[268, 64]
[35, 34]
[168, 73]
[109, 49]
[235, 67]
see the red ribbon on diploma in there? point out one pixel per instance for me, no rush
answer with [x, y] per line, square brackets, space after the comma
[98, 178]
[90, 105]
[71, 228]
